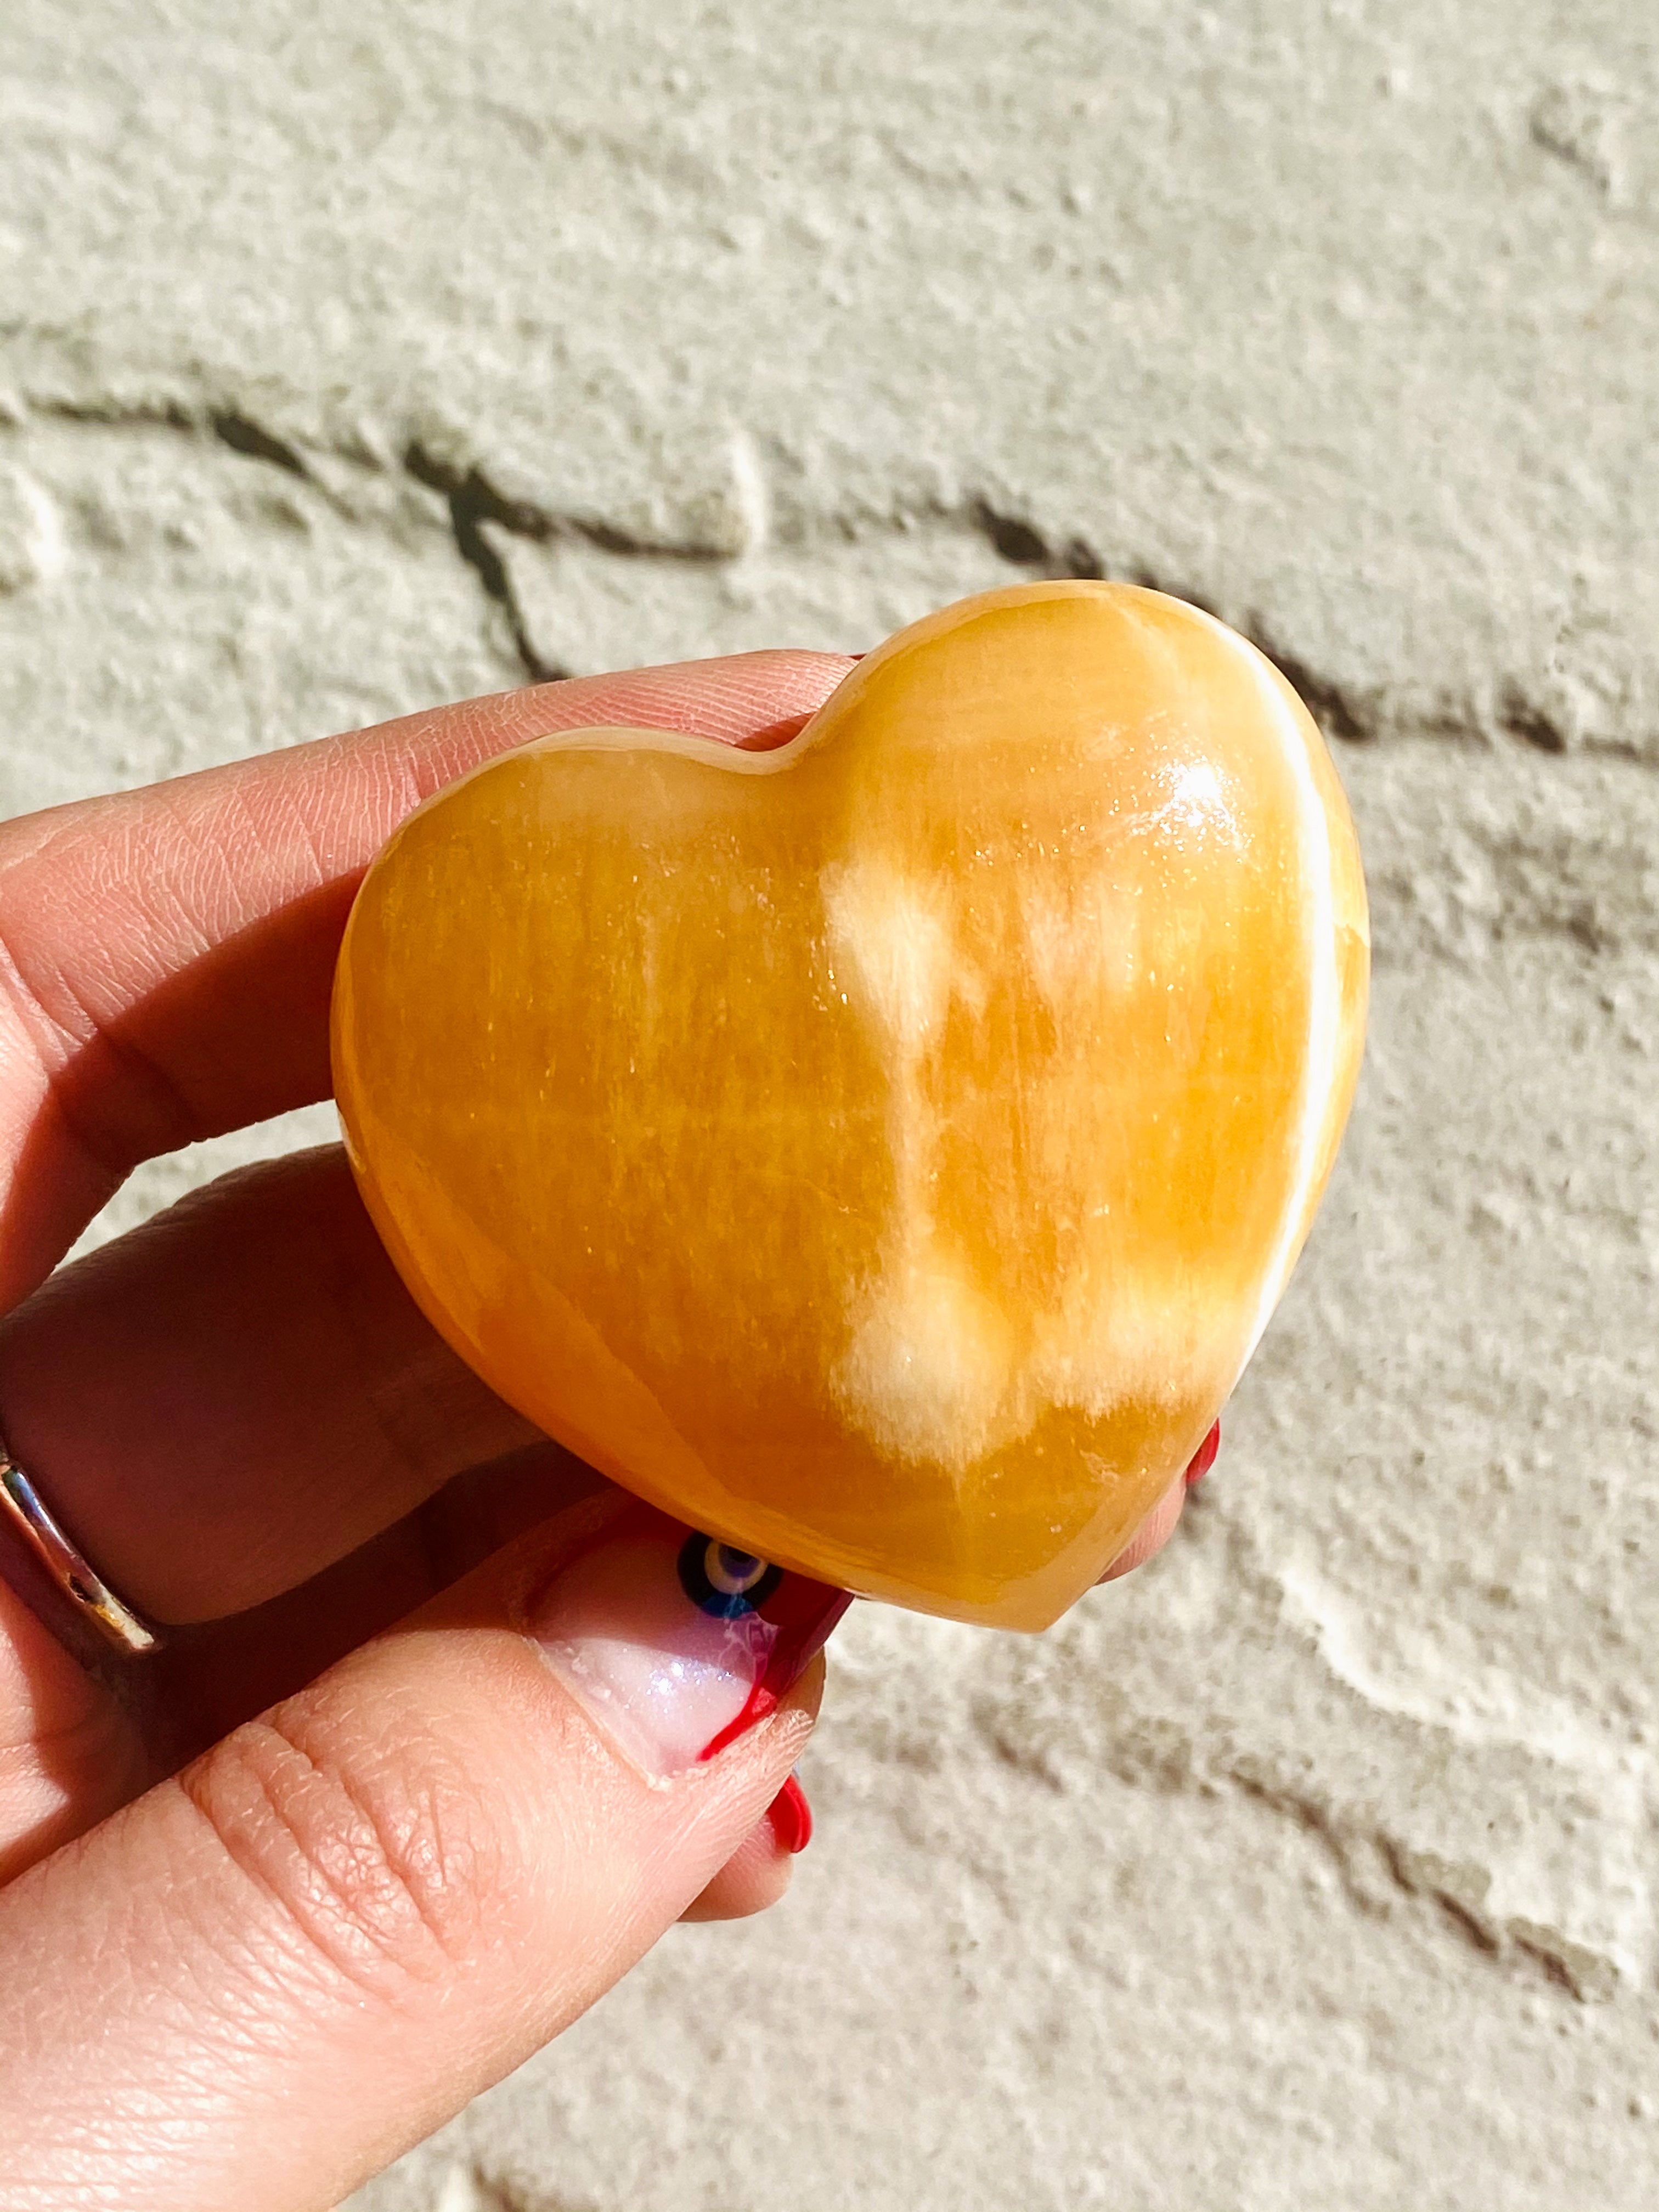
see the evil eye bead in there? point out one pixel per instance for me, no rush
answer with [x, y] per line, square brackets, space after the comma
[721, 1580]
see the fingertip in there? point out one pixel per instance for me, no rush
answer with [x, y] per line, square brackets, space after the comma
[791, 1816]
[752, 700]
[1153, 1533]
[757, 1874]
[1204, 1458]
[755, 1878]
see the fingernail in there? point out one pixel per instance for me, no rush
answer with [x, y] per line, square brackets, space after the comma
[792, 1818]
[675, 1644]
[1204, 1458]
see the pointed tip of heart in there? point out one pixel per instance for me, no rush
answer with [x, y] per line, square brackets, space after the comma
[1204, 1458]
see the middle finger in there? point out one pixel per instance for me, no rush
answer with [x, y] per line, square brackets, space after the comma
[227, 1399]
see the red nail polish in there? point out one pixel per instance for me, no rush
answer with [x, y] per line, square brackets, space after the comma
[1204, 1458]
[792, 1818]
[787, 1620]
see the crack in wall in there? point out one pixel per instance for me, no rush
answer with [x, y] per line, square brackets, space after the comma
[1534, 725]
[244, 435]
[474, 502]
[1376, 1868]
[476, 507]
[1023, 546]
[111, 414]
[1455, 1895]
[1341, 712]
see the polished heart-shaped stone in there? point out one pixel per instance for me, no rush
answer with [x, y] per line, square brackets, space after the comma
[882, 1153]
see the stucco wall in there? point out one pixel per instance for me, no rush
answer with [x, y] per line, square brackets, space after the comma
[353, 359]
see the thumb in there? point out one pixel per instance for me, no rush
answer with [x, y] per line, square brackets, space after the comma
[262, 1980]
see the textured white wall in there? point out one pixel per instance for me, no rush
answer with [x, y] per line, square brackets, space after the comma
[352, 359]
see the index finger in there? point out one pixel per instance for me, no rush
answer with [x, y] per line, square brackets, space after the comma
[166, 955]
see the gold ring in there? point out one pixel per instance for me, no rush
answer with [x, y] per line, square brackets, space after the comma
[67, 1565]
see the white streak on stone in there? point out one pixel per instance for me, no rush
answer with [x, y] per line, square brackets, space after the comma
[927, 1371]
[891, 933]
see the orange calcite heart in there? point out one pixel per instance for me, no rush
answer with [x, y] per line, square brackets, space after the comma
[882, 1153]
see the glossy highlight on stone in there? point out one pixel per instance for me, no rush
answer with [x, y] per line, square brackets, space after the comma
[882, 1153]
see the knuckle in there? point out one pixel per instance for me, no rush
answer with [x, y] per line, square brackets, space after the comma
[378, 1858]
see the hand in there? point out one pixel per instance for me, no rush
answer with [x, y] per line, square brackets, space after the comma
[249, 1959]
